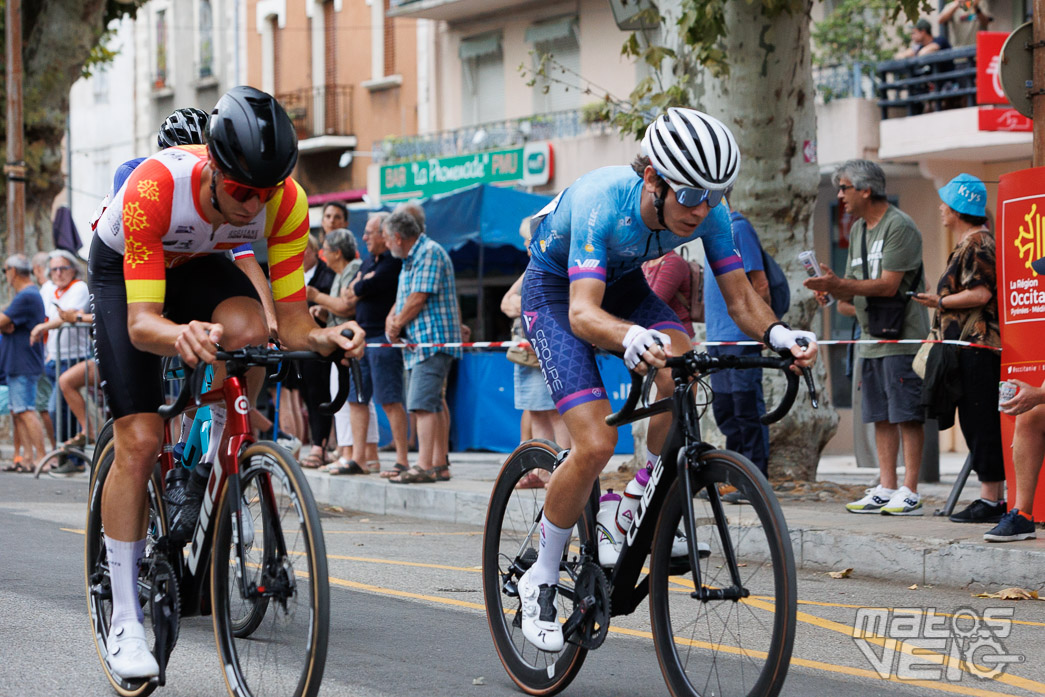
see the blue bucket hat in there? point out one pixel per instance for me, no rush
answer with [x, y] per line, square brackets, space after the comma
[965, 194]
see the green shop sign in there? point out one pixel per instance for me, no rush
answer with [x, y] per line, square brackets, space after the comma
[530, 165]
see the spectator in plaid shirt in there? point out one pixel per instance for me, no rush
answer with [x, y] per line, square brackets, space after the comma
[425, 311]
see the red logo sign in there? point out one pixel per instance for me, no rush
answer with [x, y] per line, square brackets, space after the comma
[988, 68]
[1004, 120]
[1021, 292]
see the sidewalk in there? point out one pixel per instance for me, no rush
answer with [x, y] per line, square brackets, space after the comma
[927, 550]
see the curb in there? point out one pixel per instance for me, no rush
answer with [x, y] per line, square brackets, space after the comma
[932, 561]
[925, 561]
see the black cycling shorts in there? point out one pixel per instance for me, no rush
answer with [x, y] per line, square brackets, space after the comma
[131, 378]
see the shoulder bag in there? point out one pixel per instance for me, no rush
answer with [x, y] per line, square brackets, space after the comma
[885, 316]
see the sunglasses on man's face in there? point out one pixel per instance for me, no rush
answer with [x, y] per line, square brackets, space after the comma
[692, 196]
[56, 269]
[243, 192]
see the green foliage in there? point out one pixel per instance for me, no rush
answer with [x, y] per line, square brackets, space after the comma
[701, 26]
[858, 30]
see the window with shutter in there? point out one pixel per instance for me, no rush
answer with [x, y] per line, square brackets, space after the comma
[558, 89]
[482, 88]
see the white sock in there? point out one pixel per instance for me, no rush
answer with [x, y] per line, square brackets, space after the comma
[545, 571]
[651, 459]
[989, 502]
[217, 428]
[124, 560]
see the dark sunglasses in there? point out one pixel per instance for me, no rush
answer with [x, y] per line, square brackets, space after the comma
[692, 196]
[243, 192]
[845, 187]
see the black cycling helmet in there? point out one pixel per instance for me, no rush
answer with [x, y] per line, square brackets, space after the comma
[183, 127]
[251, 138]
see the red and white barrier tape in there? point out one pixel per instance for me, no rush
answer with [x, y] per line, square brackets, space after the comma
[826, 342]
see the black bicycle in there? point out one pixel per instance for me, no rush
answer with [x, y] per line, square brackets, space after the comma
[256, 560]
[723, 617]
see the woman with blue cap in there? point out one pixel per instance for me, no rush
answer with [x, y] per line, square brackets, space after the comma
[967, 309]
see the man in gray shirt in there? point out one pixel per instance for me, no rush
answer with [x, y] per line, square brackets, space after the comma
[885, 258]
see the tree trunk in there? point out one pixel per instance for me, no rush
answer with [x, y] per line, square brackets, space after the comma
[768, 102]
[58, 36]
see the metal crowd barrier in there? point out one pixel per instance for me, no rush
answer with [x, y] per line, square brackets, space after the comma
[74, 343]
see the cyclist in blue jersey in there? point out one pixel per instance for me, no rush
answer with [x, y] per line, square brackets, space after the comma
[584, 288]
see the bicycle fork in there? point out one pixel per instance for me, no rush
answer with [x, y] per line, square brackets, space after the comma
[692, 454]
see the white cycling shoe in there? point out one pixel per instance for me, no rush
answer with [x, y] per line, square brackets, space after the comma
[128, 653]
[540, 618]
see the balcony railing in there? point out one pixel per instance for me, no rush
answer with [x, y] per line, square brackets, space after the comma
[320, 111]
[842, 81]
[497, 134]
[937, 81]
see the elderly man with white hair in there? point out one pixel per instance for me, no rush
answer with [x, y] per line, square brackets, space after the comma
[66, 302]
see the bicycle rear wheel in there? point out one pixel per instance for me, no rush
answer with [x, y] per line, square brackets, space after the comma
[510, 543]
[725, 647]
[272, 641]
[96, 566]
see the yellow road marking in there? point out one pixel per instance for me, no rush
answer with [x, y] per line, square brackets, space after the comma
[755, 601]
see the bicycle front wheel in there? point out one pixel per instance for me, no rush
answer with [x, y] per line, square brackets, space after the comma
[728, 646]
[510, 543]
[272, 607]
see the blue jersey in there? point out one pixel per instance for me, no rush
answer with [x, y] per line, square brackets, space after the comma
[594, 229]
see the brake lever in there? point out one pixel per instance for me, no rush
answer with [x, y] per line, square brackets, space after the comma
[808, 375]
[647, 384]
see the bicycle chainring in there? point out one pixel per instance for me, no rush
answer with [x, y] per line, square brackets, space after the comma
[591, 587]
[164, 604]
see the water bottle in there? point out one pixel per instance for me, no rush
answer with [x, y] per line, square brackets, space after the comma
[609, 541]
[184, 495]
[630, 503]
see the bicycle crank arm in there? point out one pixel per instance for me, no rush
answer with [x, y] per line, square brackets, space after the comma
[577, 617]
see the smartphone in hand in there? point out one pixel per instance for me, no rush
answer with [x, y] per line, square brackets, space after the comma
[808, 259]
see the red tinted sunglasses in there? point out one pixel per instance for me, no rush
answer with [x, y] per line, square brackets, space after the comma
[243, 192]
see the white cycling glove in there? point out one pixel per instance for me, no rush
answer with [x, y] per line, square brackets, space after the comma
[638, 340]
[782, 337]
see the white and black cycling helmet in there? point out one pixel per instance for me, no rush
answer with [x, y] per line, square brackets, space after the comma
[183, 127]
[690, 148]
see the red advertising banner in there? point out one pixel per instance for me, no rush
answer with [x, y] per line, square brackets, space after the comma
[1021, 294]
[988, 67]
[1004, 120]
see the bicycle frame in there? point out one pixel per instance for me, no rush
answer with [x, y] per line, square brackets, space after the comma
[194, 569]
[682, 445]
[628, 590]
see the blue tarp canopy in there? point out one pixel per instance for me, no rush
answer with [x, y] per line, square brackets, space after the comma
[462, 220]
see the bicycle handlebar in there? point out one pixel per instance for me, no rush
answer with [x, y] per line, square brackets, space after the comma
[692, 363]
[263, 356]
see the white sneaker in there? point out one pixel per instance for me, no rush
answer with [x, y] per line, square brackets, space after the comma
[873, 502]
[540, 617]
[245, 522]
[291, 443]
[128, 653]
[679, 548]
[904, 502]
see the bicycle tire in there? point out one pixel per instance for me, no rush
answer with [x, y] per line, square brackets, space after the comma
[276, 645]
[96, 570]
[509, 534]
[725, 647]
